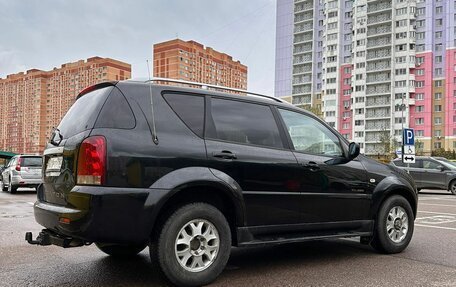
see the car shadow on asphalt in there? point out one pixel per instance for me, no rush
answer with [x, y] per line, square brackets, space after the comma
[138, 271]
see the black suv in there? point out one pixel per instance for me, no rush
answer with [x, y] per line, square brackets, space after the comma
[191, 172]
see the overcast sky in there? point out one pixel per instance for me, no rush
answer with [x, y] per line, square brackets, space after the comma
[44, 34]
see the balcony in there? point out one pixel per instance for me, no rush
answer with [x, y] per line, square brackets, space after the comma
[378, 7]
[302, 89]
[379, 18]
[377, 124]
[302, 48]
[378, 101]
[301, 100]
[378, 42]
[302, 59]
[378, 30]
[302, 79]
[303, 28]
[378, 89]
[303, 17]
[307, 68]
[378, 113]
[378, 66]
[303, 7]
[379, 77]
[378, 54]
[303, 38]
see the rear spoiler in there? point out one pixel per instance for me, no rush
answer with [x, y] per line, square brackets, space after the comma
[96, 87]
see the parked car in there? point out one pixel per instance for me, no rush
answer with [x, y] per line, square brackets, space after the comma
[191, 172]
[21, 171]
[431, 173]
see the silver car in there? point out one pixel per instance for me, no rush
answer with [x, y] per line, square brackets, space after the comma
[22, 171]
[431, 172]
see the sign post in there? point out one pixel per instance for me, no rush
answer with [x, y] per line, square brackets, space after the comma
[408, 146]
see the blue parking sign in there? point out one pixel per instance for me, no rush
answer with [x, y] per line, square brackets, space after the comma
[408, 137]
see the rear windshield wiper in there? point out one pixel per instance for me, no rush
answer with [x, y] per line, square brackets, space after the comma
[55, 132]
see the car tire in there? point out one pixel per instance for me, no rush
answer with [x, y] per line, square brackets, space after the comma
[117, 250]
[2, 186]
[12, 188]
[453, 187]
[193, 245]
[394, 225]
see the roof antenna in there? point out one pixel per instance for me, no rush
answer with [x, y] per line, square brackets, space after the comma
[154, 136]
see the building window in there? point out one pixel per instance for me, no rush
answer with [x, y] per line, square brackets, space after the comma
[438, 108]
[438, 120]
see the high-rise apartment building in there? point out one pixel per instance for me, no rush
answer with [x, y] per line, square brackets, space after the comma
[376, 66]
[34, 102]
[191, 61]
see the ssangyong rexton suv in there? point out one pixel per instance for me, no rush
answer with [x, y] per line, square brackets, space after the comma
[191, 172]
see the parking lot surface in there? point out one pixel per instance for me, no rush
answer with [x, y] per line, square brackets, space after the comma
[430, 259]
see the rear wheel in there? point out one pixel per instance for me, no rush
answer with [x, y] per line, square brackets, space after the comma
[394, 225]
[117, 250]
[12, 188]
[453, 187]
[194, 245]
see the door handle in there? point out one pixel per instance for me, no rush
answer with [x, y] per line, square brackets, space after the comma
[313, 166]
[224, 155]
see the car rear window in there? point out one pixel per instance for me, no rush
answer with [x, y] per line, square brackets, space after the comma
[190, 109]
[31, 161]
[116, 113]
[83, 113]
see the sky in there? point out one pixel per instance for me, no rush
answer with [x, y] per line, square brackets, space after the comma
[45, 34]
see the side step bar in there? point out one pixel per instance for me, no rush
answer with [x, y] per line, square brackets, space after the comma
[48, 237]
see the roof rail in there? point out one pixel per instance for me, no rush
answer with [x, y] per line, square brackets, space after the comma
[205, 86]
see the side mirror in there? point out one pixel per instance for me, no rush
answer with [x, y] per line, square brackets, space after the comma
[353, 150]
[441, 168]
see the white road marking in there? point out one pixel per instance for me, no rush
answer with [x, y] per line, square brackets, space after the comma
[438, 227]
[431, 198]
[436, 204]
[432, 212]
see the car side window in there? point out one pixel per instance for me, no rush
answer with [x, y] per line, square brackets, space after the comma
[430, 164]
[245, 123]
[309, 135]
[190, 109]
[116, 113]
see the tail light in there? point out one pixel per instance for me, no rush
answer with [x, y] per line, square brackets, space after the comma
[92, 161]
[18, 165]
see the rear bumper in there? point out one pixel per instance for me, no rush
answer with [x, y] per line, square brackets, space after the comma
[19, 181]
[101, 214]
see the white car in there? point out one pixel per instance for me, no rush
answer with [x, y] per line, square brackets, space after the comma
[22, 171]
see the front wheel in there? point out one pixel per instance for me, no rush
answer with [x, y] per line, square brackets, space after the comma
[453, 187]
[394, 225]
[194, 245]
[117, 250]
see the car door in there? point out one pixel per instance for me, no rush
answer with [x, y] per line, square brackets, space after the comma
[330, 192]
[416, 172]
[432, 176]
[243, 141]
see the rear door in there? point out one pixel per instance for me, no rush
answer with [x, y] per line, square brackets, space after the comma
[31, 167]
[243, 141]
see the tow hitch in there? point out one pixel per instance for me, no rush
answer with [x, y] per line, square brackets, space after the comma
[48, 237]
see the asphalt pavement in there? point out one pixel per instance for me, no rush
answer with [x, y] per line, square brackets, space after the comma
[430, 259]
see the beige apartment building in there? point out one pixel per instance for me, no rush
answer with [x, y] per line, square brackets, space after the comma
[34, 102]
[191, 61]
